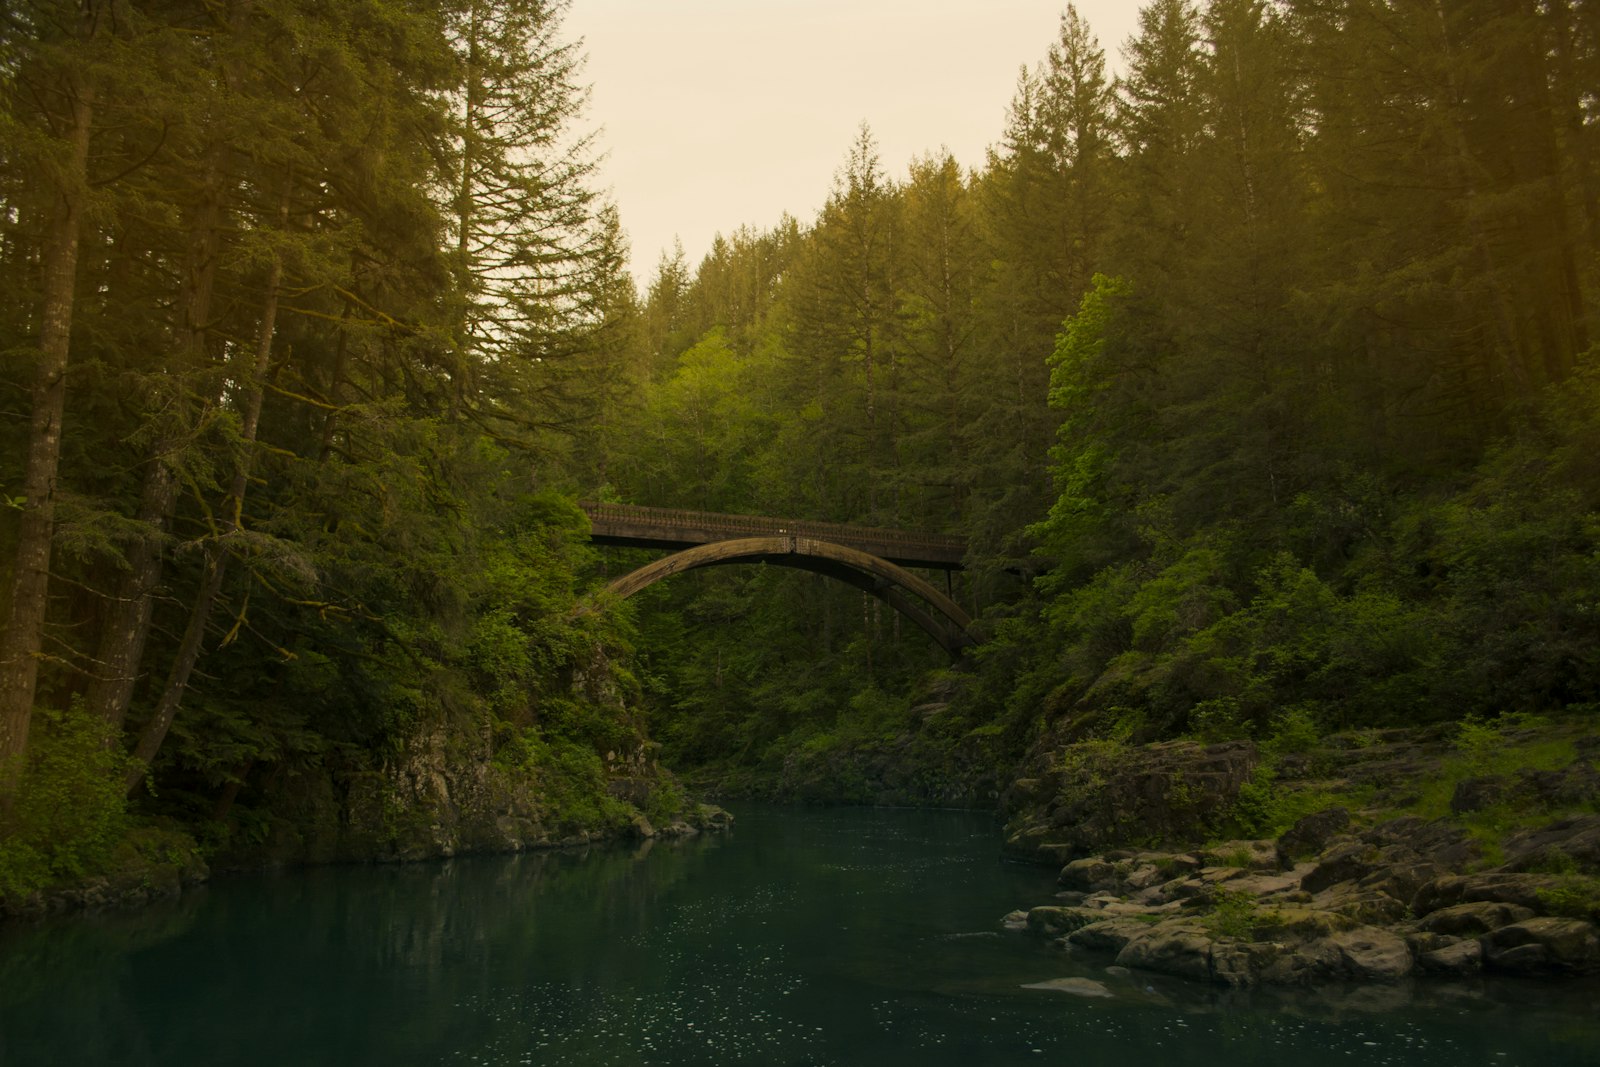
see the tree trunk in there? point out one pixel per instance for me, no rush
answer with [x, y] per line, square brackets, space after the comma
[216, 552]
[21, 641]
[122, 641]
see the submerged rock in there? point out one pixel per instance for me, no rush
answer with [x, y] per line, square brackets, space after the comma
[1078, 987]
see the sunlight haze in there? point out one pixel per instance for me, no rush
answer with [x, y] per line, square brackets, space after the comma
[714, 114]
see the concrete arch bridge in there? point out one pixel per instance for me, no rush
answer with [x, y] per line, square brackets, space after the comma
[870, 558]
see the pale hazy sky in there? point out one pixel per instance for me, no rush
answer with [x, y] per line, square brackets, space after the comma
[721, 113]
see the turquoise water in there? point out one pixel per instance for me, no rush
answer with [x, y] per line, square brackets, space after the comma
[804, 937]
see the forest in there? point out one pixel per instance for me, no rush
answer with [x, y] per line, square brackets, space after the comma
[1259, 379]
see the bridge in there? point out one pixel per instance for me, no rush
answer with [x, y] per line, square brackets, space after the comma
[872, 559]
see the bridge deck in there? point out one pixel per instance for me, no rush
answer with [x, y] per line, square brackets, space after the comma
[641, 527]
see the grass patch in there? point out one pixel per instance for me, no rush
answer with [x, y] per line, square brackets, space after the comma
[1265, 809]
[1485, 748]
[1575, 896]
[1234, 913]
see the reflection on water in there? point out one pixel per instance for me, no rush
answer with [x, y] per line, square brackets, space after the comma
[833, 937]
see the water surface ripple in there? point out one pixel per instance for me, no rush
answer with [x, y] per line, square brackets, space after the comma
[804, 937]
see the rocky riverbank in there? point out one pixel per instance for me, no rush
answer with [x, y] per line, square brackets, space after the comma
[1504, 881]
[441, 796]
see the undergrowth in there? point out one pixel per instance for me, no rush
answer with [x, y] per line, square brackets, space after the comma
[69, 814]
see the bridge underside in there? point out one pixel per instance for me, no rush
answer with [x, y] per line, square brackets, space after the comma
[932, 611]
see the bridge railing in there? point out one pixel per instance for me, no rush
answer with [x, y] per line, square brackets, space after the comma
[638, 520]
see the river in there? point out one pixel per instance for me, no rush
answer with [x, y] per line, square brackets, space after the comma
[841, 936]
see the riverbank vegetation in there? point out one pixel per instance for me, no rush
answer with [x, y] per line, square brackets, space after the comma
[1259, 379]
[305, 308]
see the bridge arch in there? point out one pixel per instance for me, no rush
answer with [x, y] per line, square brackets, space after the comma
[932, 611]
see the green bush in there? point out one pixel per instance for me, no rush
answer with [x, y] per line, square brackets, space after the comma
[1233, 913]
[1263, 810]
[1576, 896]
[69, 812]
[570, 778]
[666, 802]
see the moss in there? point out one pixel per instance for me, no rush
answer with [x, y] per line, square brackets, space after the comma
[1575, 896]
[1505, 747]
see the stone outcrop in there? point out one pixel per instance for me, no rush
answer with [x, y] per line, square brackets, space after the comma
[1545, 945]
[1373, 905]
[1094, 798]
[442, 796]
[1344, 893]
[1572, 843]
[1541, 789]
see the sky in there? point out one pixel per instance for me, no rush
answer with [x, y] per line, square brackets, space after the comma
[715, 114]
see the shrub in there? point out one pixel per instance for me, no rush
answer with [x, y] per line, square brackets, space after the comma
[1233, 913]
[69, 812]
[1574, 897]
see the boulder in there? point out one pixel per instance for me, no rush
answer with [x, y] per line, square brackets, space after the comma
[1476, 794]
[1108, 935]
[1165, 893]
[1499, 886]
[1199, 885]
[1474, 918]
[1345, 863]
[1091, 875]
[1302, 963]
[1370, 953]
[1300, 924]
[1051, 921]
[1460, 958]
[1311, 834]
[1361, 905]
[1576, 784]
[1263, 885]
[1143, 876]
[1544, 946]
[1241, 963]
[1422, 941]
[1401, 880]
[1572, 844]
[1170, 948]
[1435, 841]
